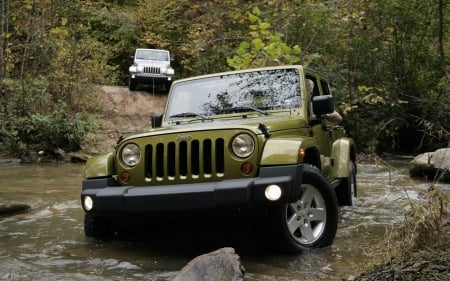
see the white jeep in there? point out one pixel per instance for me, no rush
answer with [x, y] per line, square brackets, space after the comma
[150, 66]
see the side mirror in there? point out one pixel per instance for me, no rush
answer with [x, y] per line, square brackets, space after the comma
[157, 120]
[322, 105]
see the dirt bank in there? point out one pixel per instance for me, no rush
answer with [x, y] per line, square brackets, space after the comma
[123, 112]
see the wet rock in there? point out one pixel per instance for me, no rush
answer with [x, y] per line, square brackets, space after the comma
[432, 165]
[221, 265]
[8, 208]
[10, 161]
[78, 157]
[60, 154]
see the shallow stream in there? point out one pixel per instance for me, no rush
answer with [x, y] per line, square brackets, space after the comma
[48, 243]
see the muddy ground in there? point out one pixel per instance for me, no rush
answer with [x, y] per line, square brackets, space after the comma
[123, 112]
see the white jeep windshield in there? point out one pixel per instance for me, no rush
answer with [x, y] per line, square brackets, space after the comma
[157, 55]
[247, 91]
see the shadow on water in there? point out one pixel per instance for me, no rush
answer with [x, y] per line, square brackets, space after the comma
[48, 242]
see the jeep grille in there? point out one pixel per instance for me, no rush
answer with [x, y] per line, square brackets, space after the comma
[152, 70]
[185, 160]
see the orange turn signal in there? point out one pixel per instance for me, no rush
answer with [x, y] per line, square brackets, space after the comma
[125, 176]
[247, 168]
[301, 153]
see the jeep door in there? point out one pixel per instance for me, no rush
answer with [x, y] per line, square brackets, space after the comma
[321, 130]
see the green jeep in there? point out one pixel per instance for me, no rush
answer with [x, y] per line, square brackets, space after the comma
[244, 146]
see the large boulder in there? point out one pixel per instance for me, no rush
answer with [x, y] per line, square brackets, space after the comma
[221, 265]
[432, 165]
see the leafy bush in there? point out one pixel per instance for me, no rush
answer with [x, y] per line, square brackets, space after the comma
[44, 132]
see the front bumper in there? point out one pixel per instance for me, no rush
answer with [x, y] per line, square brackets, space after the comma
[110, 198]
[150, 78]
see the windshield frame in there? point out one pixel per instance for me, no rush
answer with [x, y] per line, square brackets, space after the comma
[152, 55]
[258, 91]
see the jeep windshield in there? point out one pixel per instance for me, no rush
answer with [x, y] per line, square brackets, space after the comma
[256, 92]
[148, 54]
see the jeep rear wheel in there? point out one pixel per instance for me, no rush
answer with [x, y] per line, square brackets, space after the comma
[346, 190]
[308, 223]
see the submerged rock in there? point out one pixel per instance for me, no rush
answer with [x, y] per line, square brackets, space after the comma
[432, 165]
[12, 208]
[221, 265]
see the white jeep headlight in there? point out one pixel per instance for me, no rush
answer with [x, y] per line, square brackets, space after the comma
[131, 155]
[243, 145]
[140, 68]
[163, 70]
[133, 68]
[170, 71]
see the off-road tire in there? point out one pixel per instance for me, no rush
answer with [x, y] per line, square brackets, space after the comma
[132, 84]
[346, 190]
[97, 227]
[306, 224]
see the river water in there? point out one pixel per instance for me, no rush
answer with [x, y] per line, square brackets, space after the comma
[48, 243]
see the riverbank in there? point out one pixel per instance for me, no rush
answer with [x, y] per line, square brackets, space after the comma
[419, 249]
[122, 112]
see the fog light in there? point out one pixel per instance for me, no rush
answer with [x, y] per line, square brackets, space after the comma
[88, 203]
[273, 192]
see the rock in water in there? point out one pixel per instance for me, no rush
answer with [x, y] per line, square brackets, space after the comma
[430, 163]
[12, 207]
[221, 265]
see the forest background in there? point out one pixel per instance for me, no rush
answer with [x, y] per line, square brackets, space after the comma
[386, 59]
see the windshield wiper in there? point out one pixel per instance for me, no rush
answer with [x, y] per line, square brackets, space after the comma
[189, 114]
[236, 109]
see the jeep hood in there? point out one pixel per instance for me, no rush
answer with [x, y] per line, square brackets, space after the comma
[151, 62]
[273, 123]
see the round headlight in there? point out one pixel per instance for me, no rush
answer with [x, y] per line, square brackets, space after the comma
[163, 70]
[243, 145]
[131, 154]
[140, 68]
[88, 203]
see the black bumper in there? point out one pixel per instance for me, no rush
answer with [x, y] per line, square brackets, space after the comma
[111, 198]
[146, 79]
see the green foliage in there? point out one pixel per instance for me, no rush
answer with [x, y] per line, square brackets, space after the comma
[389, 69]
[391, 51]
[44, 132]
[264, 48]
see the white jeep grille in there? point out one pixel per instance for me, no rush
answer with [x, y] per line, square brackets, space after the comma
[152, 69]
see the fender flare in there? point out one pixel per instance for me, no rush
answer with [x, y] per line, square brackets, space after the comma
[99, 166]
[343, 151]
[281, 151]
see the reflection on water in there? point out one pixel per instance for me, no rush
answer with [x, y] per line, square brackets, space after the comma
[47, 243]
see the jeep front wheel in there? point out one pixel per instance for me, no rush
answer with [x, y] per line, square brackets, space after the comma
[132, 84]
[97, 227]
[308, 223]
